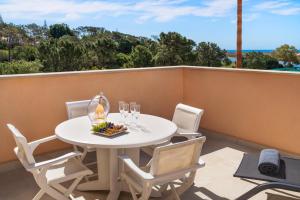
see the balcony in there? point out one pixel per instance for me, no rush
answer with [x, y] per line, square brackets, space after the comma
[245, 110]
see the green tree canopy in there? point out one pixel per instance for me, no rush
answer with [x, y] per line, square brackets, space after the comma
[287, 54]
[210, 54]
[106, 50]
[258, 60]
[12, 36]
[141, 57]
[174, 49]
[65, 54]
[26, 52]
[59, 30]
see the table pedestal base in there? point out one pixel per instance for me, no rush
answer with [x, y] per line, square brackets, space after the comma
[109, 169]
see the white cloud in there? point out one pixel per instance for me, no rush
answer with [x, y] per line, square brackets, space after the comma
[272, 5]
[158, 10]
[279, 7]
[287, 11]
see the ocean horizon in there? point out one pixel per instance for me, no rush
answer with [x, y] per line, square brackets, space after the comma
[251, 50]
[254, 50]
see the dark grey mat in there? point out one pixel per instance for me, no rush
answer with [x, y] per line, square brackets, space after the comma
[289, 172]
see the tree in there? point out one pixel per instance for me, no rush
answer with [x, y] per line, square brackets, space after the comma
[239, 39]
[12, 35]
[1, 20]
[27, 52]
[210, 54]
[90, 31]
[70, 54]
[141, 57]
[105, 49]
[65, 54]
[35, 32]
[258, 60]
[287, 54]
[49, 55]
[174, 49]
[59, 30]
[123, 60]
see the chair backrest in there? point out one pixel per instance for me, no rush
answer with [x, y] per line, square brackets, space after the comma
[175, 157]
[187, 117]
[22, 150]
[77, 108]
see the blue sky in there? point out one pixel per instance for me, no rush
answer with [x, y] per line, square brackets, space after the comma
[267, 23]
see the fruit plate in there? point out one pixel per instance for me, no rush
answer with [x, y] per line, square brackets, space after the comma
[108, 129]
[114, 134]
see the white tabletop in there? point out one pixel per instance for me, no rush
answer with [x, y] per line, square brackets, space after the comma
[150, 130]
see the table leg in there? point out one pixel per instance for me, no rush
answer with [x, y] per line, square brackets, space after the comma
[109, 169]
[102, 183]
[115, 186]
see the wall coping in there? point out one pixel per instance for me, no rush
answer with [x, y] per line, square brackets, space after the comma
[149, 69]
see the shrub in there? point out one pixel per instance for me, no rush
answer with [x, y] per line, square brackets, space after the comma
[28, 53]
[20, 67]
[3, 55]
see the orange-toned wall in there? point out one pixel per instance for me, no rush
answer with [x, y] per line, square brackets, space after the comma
[261, 107]
[36, 103]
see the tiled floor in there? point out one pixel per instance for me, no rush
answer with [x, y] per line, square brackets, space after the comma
[214, 181]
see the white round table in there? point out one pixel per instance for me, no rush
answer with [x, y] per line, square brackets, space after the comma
[149, 131]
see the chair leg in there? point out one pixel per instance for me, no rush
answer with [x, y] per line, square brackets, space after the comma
[39, 195]
[163, 188]
[133, 193]
[176, 196]
[55, 194]
[73, 185]
[146, 193]
[60, 188]
[84, 153]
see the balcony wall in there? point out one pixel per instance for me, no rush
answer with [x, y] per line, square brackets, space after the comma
[36, 103]
[257, 106]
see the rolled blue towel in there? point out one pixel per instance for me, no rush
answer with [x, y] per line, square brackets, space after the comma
[269, 162]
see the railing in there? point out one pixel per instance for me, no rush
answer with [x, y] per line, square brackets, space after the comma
[258, 106]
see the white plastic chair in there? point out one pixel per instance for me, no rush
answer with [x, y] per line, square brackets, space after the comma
[50, 174]
[187, 119]
[174, 162]
[78, 109]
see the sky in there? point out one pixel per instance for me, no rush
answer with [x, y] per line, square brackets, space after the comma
[267, 24]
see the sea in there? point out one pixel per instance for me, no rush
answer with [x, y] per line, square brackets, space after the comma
[253, 50]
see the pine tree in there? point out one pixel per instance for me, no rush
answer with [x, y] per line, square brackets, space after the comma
[45, 24]
[1, 20]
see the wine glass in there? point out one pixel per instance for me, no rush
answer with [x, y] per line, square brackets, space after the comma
[132, 109]
[125, 111]
[132, 106]
[121, 107]
[137, 112]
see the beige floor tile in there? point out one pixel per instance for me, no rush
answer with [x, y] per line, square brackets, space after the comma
[213, 182]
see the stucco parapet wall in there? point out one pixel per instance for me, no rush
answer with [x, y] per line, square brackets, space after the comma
[149, 69]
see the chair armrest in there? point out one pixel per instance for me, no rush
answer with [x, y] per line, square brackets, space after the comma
[187, 134]
[49, 163]
[34, 144]
[132, 166]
